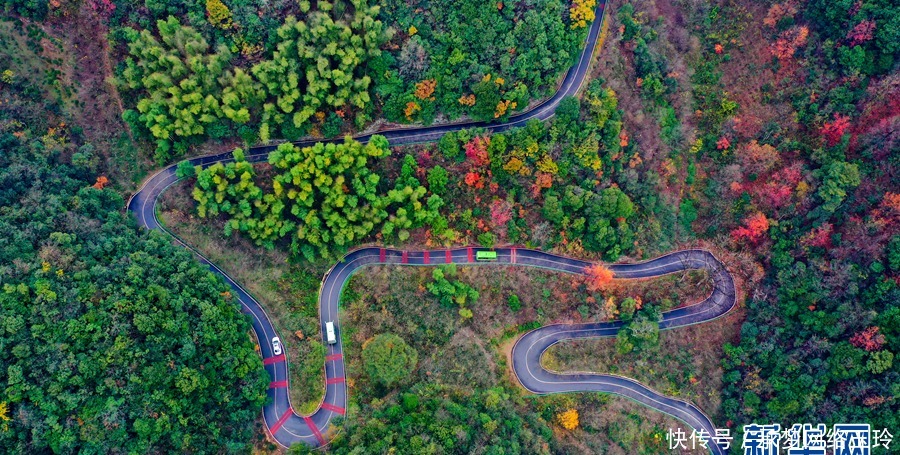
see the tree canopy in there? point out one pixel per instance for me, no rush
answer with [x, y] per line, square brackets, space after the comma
[112, 340]
[388, 359]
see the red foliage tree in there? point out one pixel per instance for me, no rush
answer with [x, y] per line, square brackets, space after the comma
[476, 151]
[103, 8]
[820, 236]
[868, 339]
[723, 143]
[501, 213]
[862, 32]
[774, 194]
[834, 131]
[778, 188]
[753, 230]
[597, 277]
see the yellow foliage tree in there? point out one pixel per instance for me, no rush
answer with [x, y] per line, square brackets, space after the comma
[513, 166]
[581, 12]
[411, 108]
[219, 14]
[4, 415]
[468, 100]
[502, 107]
[610, 308]
[547, 165]
[568, 419]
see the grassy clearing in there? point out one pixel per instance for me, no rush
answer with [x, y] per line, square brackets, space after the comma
[686, 364]
[288, 292]
[469, 353]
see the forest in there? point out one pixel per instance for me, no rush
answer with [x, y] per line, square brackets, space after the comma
[764, 131]
[319, 69]
[110, 339]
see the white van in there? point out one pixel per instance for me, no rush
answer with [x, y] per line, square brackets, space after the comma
[329, 332]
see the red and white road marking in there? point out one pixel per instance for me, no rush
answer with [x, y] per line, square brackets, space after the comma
[287, 414]
[312, 426]
[334, 408]
[274, 359]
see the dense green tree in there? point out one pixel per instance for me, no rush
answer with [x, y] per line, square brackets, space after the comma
[388, 360]
[327, 195]
[112, 339]
[321, 63]
[641, 332]
[880, 46]
[838, 178]
[438, 178]
[451, 293]
[230, 189]
[331, 193]
[181, 84]
[598, 219]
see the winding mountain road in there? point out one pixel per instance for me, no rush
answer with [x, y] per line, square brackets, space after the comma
[288, 428]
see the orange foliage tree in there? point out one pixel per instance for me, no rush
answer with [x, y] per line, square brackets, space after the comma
[598, 277]
[754, 228]
[779, 11]
[474, 180]
[425, 89]
[868, 339]
[502, 107]
[101, 182]
[889, 209]
[542, 181]
[467, 100]
[788, 42]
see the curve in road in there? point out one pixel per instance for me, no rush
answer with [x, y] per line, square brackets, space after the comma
[288, 428]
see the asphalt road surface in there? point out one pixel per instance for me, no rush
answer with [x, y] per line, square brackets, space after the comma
[288, 427]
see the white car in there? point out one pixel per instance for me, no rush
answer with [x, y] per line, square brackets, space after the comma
[329, 333]
[276, 346]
